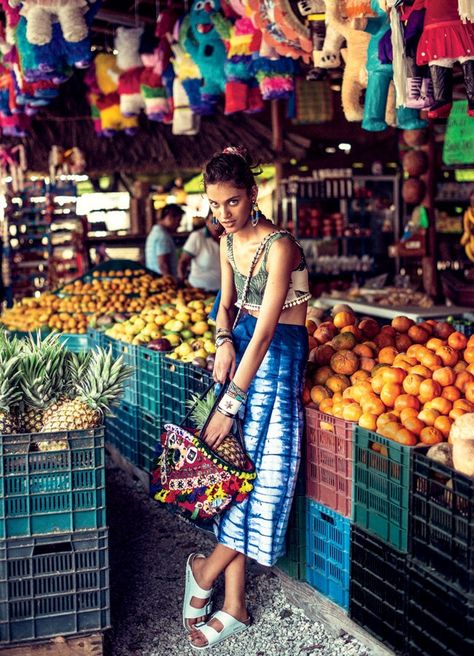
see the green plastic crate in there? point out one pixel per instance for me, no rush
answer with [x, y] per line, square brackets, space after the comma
[54, 585]
[381, 487]
[52, 491]
[294, 562]
[74, 343]
[149, 431]
[150, 383]
[121, 430]
[129, 353]
[175, 392]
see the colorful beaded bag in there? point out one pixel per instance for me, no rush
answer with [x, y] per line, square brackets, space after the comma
[196, 480]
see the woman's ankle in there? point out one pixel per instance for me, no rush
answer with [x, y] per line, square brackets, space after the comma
[200, 573]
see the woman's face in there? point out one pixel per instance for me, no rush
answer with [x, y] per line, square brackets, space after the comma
[230, 205]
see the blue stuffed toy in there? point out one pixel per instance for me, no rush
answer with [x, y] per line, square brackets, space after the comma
[380, 76]
[202, 40]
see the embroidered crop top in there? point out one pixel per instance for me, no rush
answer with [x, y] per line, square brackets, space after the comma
[298, 290]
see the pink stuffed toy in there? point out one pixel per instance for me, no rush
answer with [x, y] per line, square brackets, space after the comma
[127, 43]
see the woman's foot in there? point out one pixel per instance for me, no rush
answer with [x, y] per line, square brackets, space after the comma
[198, 593]
[222, 625]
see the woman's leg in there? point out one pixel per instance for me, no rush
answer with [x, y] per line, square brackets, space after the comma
[234, 599]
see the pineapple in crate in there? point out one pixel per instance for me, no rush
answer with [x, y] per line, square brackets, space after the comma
[10, 391]
[230, 448]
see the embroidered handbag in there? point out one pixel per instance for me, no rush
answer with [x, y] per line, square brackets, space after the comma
[194, 478]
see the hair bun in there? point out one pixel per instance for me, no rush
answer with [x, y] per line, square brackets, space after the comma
[240, 151]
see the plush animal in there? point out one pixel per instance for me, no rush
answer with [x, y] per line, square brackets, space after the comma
[40, 15]
[127, 44]
[380, 77]
[280, 29]
[188, 79]
[448, 36]
[203, 42]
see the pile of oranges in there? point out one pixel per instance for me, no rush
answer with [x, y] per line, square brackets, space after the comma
[412, 380]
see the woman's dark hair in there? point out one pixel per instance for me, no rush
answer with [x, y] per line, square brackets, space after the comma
[234, 165]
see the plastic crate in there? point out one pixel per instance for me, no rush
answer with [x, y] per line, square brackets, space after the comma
[294, 562]
[121, 430]
[150, 384]
[74, 343]
[48, 491]
[442, 521]
[96, 338]
[329, 460]
[198, 380]
[149, 431]
[174, 393]
[381, 473]
[129, 353]
[440, 620]
[54, 585]
[466, 327]
[328, 552]
[378, 589]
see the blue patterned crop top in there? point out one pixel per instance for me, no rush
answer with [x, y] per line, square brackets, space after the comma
[298, 290]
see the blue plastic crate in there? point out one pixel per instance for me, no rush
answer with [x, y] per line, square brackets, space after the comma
[121, 430]
[175, 393]
[52, 491]
[150, 383]
[54, 585]
[75, 343]
[129, 352]
[96, 338]
[198, 379]
[328, 540]
[149, 431]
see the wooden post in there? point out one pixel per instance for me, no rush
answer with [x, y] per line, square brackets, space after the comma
[430, 273]
[277, 146]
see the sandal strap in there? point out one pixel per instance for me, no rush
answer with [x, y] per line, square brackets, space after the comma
[213, 636]
[192, 612]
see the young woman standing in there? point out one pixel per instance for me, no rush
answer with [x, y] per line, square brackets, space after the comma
[264, 357]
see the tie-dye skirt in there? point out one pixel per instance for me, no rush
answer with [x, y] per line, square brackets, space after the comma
[273, 428]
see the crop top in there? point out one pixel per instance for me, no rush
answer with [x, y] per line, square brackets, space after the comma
[298, 290]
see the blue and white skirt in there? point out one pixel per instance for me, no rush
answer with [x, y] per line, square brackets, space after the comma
[273, 429]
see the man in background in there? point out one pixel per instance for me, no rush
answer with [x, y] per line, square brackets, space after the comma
[160, 249]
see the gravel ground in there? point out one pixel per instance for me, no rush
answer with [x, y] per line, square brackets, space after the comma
[148, 551]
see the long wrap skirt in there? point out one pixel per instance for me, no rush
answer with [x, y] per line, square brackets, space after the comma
[273, 428]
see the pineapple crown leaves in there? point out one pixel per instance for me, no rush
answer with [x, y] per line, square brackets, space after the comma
[102, 383]
[9, 346]
[201, 408]
[43, 370]
[10, 390]
[77, 365]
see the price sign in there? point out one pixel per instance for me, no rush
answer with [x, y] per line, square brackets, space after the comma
[459, 138]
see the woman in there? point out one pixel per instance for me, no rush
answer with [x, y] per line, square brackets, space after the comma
[201, 254]
[264, 358]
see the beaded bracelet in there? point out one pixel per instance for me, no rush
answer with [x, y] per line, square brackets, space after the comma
[223, 331]
[236, 392]
[222, 340]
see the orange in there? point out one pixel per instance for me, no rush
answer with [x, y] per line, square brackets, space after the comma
[360, 390]
[414, 425]
[451, 393]
[434, 343]
[374, 405]
[306, 395]
[464, 405]
[377, 383]
[430, 360]
[342, 319]
[367, 364]
[322, 374]
[318, 393]
[403, 357]
[363, 351]
[443, 424]
[470, 341]
[390, 429]
[411, 384]
[312, 342]
[384, 418]
[393, 375]
[448, 355]
[368, 420]
[463, 379]
[443, 329]
[325, 405]
[408, 412]
[389, 393]
[429, 389]
[457, 341]
[418, 334]
[426, 326]
[420, 370]
[402, 342]
[428, 416]
[402, 324]
[401, 364]
[406, 437]
[469, 392]
[384, 339]
[337, 382]
[444, 376]
[461, 366]
[338, 410]
[359, 375]
[404, 401]
[412, 351]
[470, 368]
[387, 355]
[337, 397]
[442, 405]
[457, 412]
[352, 412]
[431, 435]
[354, 330]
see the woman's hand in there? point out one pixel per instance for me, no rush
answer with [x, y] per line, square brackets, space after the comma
[218, 427]
[224, 363]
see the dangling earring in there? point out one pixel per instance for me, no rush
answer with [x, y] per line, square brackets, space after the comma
[214, 221]
[255, 214]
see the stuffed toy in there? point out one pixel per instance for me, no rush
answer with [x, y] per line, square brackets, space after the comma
[448, 36]
[295, 43]
[275, 75]
[188, 77]
[201, 39]
[380, 77]
[185, 122]
[102, 80]
[127, 44]
[40, 15]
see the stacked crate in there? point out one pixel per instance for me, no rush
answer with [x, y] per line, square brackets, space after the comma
[54, 574]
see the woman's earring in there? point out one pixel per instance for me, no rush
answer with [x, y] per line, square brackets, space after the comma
[214, 221]
[255, 214]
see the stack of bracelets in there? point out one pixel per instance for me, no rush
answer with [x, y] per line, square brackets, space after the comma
[230, 403]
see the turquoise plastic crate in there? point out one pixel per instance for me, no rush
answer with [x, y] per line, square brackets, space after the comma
[75, 343]
[52, 491]
[198, 379]
[294, 562]
[121, 430]
[96, 338]
[150, 383]
[175, 392]
[149, 431]
[129, 352]
[54, 585]
[328, 541]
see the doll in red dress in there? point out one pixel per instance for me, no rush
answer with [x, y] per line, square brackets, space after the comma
[448, 36]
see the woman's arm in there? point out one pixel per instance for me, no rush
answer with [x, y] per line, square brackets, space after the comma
[224, 363]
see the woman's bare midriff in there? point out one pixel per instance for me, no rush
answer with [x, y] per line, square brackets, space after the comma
[294, 316]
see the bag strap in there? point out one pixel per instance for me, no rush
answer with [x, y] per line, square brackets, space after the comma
[258, 252]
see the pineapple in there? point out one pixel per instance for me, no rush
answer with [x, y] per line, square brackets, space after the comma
[76, 368]
[10, 393]
[229, 449]
[96, 387]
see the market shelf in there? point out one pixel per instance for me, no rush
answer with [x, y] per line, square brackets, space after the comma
[54, 585]
[60, 490]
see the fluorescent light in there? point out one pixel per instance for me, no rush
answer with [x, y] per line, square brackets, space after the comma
[346, 147]
[330, 149]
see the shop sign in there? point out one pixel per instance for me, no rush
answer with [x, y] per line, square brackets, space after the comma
[459, 138]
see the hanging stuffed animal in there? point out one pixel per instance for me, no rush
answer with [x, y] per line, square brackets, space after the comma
[40, 15]
[380, 77]
[203, 42]
[186, 93]
[448, 36]
[281, 30]
[127, 44]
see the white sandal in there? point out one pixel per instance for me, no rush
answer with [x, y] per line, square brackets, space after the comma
[230, 627]
[193, 589]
